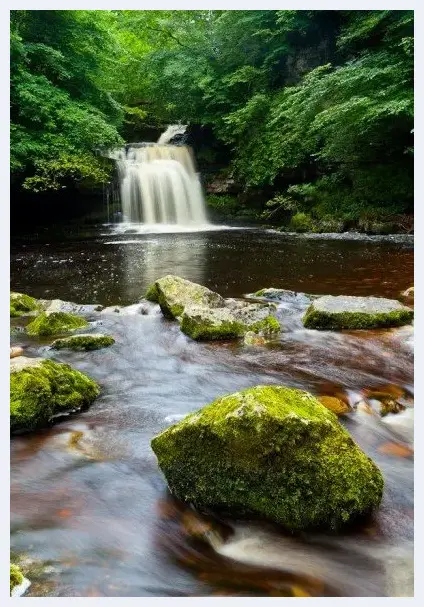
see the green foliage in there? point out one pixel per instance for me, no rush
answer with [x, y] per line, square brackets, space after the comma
[300, 222]
[315, 104]
[62, 112]
[223, 202]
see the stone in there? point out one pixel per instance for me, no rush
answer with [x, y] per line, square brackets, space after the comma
[408, 293]
[58, 305]
[21, 304]
[173, 294]
[41, 390]
[348, 312]
[273, 452]
[16, 351]
[204, 323]
[54, 323]
[334, 404]
[283, 295]
[83, 341]
[252, 339]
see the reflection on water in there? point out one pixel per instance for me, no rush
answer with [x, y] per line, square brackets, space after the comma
[87, 498]
[87, 268]
[145, 259]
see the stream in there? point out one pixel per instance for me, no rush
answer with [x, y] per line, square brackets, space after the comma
[90, 510]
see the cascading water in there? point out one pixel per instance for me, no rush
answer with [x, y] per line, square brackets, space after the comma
[159, 183]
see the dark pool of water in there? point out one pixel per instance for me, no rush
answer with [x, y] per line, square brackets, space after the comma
[89, 507]
[99, 266]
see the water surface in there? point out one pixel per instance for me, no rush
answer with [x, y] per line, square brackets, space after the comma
[87, 499]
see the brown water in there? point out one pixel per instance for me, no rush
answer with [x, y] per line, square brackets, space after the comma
[89, 507]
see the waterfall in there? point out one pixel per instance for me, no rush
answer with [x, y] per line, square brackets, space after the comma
[159, 183]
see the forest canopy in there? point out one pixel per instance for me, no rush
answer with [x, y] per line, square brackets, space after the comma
[315, 107]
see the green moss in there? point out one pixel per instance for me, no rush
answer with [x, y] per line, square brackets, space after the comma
[13, 312]
[266, 326]
[54, 323]
[83, 342]
[317, 319]
[270, 451]
[209, 331]
[214, 324]
[152, 293]
[39, 392]
[22, 304]
[16, 577]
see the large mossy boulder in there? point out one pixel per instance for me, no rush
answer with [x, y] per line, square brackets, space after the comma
[203, 323]
[55, 323]
[348, 312]
[83, 341]
[41, 389]
[21, 304]
[173, 294]
[273, 452]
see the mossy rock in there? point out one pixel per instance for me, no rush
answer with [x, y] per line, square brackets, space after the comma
[173, 294]
[283, 295]
[16, 577]
[203, 323]
[83, 341]
[41, 389]
[347, 312]
[273, 452]
[54, 323]
[21, 304]
[152, 294]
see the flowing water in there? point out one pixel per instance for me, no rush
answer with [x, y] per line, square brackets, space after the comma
[159, 184]
[90, 510]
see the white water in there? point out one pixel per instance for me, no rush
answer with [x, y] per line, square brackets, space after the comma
[159, 184]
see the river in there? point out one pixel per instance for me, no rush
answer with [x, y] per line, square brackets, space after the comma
[90, 510]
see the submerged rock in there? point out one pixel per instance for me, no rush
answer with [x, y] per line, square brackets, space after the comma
[203, 323]
[253, 339]
[272, 294]
[270, 451]
[348, 312]
[334, 404]
[173, 294]
[54, 323]
[83, 341]
[21, 304]
[16, 351]
[41, 389]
